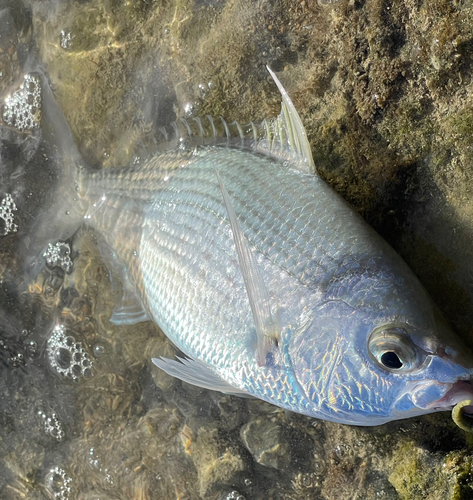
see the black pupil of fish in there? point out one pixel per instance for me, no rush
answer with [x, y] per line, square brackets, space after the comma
[391, 360]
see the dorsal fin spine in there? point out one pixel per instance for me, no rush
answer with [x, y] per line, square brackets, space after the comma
[213, 125]
[227, 131]
[283, 137]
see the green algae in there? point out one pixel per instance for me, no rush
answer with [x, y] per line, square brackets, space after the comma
[418, 475]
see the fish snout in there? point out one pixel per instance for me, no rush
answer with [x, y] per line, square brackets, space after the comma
[459, 392]
[442, 396]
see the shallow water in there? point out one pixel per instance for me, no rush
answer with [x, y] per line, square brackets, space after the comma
[83, 412]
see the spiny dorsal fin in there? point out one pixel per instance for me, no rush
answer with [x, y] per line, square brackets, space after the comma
[267, 327]
[283, 137]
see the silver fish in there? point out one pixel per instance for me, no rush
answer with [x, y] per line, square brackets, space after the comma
[267, 281]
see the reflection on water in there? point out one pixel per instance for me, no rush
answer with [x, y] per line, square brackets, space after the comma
[83, 412]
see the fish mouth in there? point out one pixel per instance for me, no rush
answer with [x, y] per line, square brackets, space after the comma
[460, 392]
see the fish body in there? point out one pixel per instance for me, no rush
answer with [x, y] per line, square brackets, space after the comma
[331, 278]
[358, 339]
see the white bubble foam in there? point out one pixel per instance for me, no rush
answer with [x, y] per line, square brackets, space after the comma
[67, 356]
[22, 110]
[52, 425]
[7, 209]
[59, 255]
[58, 483]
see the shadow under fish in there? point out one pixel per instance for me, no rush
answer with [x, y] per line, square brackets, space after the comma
[268, 282]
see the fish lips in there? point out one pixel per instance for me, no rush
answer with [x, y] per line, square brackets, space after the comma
[461, 390]
[439, 396]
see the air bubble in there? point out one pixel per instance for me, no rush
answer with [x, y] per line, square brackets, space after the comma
[7, 207]
[96, 463]
[52, 425]
[17, 360]
[99, 350]
[59, 255]
[58, 484]
[234, 495]
[67, 356]
[188, 109]
[32, 348]
[66, 38]
[203, 90]
[341, 450]
[22, 110]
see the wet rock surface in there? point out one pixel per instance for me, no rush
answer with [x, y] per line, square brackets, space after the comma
[385, 92]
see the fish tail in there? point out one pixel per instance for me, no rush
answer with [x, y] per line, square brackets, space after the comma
[63, 210]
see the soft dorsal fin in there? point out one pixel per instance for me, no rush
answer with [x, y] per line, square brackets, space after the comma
[197, 373]
[283, 137]
[267, 327]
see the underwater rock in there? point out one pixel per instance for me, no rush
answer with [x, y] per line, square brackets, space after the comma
[266, 441]
[218, 461]
[418, 474]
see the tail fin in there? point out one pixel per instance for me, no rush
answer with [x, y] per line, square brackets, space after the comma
[54, 168]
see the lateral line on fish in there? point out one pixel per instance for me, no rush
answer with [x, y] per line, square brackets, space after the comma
[267, 327]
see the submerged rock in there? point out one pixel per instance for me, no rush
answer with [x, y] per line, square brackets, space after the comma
[217, 460]
[265, 440]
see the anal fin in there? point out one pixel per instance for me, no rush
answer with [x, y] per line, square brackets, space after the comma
[197, 373]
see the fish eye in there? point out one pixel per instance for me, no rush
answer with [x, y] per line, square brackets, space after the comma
[393, 350]
[391, 360]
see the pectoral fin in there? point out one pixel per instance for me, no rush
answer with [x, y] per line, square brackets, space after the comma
[197, 373]
[128, 308]
[267, 326]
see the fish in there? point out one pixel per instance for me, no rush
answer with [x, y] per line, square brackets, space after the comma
[265, 279]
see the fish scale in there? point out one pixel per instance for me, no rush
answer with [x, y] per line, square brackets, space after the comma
[186, 249]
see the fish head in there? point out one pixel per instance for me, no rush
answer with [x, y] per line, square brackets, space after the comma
[365, 367]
